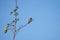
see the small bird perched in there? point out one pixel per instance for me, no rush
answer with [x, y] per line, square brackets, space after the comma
[29, 20]
[6, 28]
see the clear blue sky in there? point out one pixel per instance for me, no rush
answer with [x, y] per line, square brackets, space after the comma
[45, 14]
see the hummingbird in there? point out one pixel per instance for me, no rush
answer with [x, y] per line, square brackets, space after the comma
[6, 28]
[29, 20]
